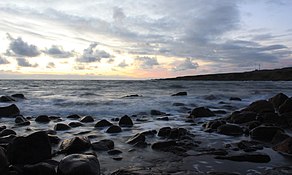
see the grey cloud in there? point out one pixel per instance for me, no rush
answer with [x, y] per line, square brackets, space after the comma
[58, 52]
[22, 62]
[3, 60]
[51, 65]
[21, 48]
[123, 64]
[146, 62]
[91, 54]
[187, 64]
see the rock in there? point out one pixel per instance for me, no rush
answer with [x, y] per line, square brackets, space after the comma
[75, 145]
[279, 137]
[75, 124]
[54, 139]
[9, 111]
[270, 117]
[2, 128]
[136, 138]
[133, 95]
[162, 118]
[149, 133]
[260, 106]
[164, 132]
[230, 129]
[126, 121]
[42, 168]
[140, 145]
[164, 145]
[180, 94]
[247, 157]
[201, 112]
[114, 129]
[103, 123]
[286, 107]
[119, 158]
[61, 127]
[103, 145]
[278, 100]
[43, 119]
[7, 132]
[6, 99]
[31, 149]
[20, 96]
[235, 99]
[247, 146]
[284, 147]
[3, 162]
[21, 121]
[214, 124]
[220, 112]
[55, 118]
[265, 133]
[74, 116]
[79, 164]
[87, 119]
[283, 170]
[156, 112]
[178, 104]
[114, 152]
[242, 117]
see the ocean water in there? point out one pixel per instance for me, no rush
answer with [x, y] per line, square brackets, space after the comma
[108, 98]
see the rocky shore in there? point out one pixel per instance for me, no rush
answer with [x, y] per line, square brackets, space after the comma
[253, 140]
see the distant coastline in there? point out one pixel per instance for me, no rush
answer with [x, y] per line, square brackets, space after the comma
[283, 74]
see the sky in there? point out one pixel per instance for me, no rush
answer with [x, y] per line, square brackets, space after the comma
[145, 39]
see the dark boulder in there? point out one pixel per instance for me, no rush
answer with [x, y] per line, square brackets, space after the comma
[75, 145]
[74, 116]
[3, 162]
[103, 123]
[43, 119]
[162, 118]
[164, 132]
[268, 117]
[284, 147]
[103, 145]
[114, 152]
[235, 99]
[75, 124]
[2, 128]
[286, 107]
[156, 112]
[278, 100]
[21, 121]
[20, 96]
[9, 111]
[265, 133]
[249, 146]
[114, 129]
[79, 164]
[201, 112]
[87, 119]
[42, 168]
[230, 129]
[126, 121]
[6, 99]
[214, 124]
[247, 157]
[7, 132]
[133, 95]
[54, 139]
[180, 94]
[260, 106]
[242, 117]
[136, 138]
[31, 149]
[163, 145]
[61, 127]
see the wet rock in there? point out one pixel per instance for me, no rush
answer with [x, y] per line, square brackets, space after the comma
[119, 158]
[162, 118]
[7, 132]
[61, 127]
[284, 170]
[3, 162]
[136, 138]
[20, 96]
[133, 95]
[74, 116]
[201, 112]
[54, 139]
[178, 104]
[253, 124]
[220, 112]
[79, 164]
[115, 119]
[278, 100]
[55, 118]
[2, 128]
[242, 117]
[140, 144]
[75, 145]
[180, 94]
[249, 146]
[284, 147]
[230, 129]
[286, 107]
[235, 99]
[247, 157]
[156, 112]
[21, 121]
[260, 106]
[164, 132]
[5, 140]
[43, 119]
[176, 133]
[279, 137]
[42, 168]
[114, 129]
[75, 124]
[149, 133]
[103, 145]
[114, 152]
[162, 146]
[126, 121]
[31, 149]
[87, 119]
[269, 117]
[214, 124]
[9, 111]
[103, 123]
[6, 99]
[265, 133]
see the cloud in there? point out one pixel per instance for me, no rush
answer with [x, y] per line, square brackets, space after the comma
[58, 52]
[3, 60]
[22, 62]
[21, 48]
[91, 54]
[146, 62]
[187, 64]
[123, 64]
[51, 65]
